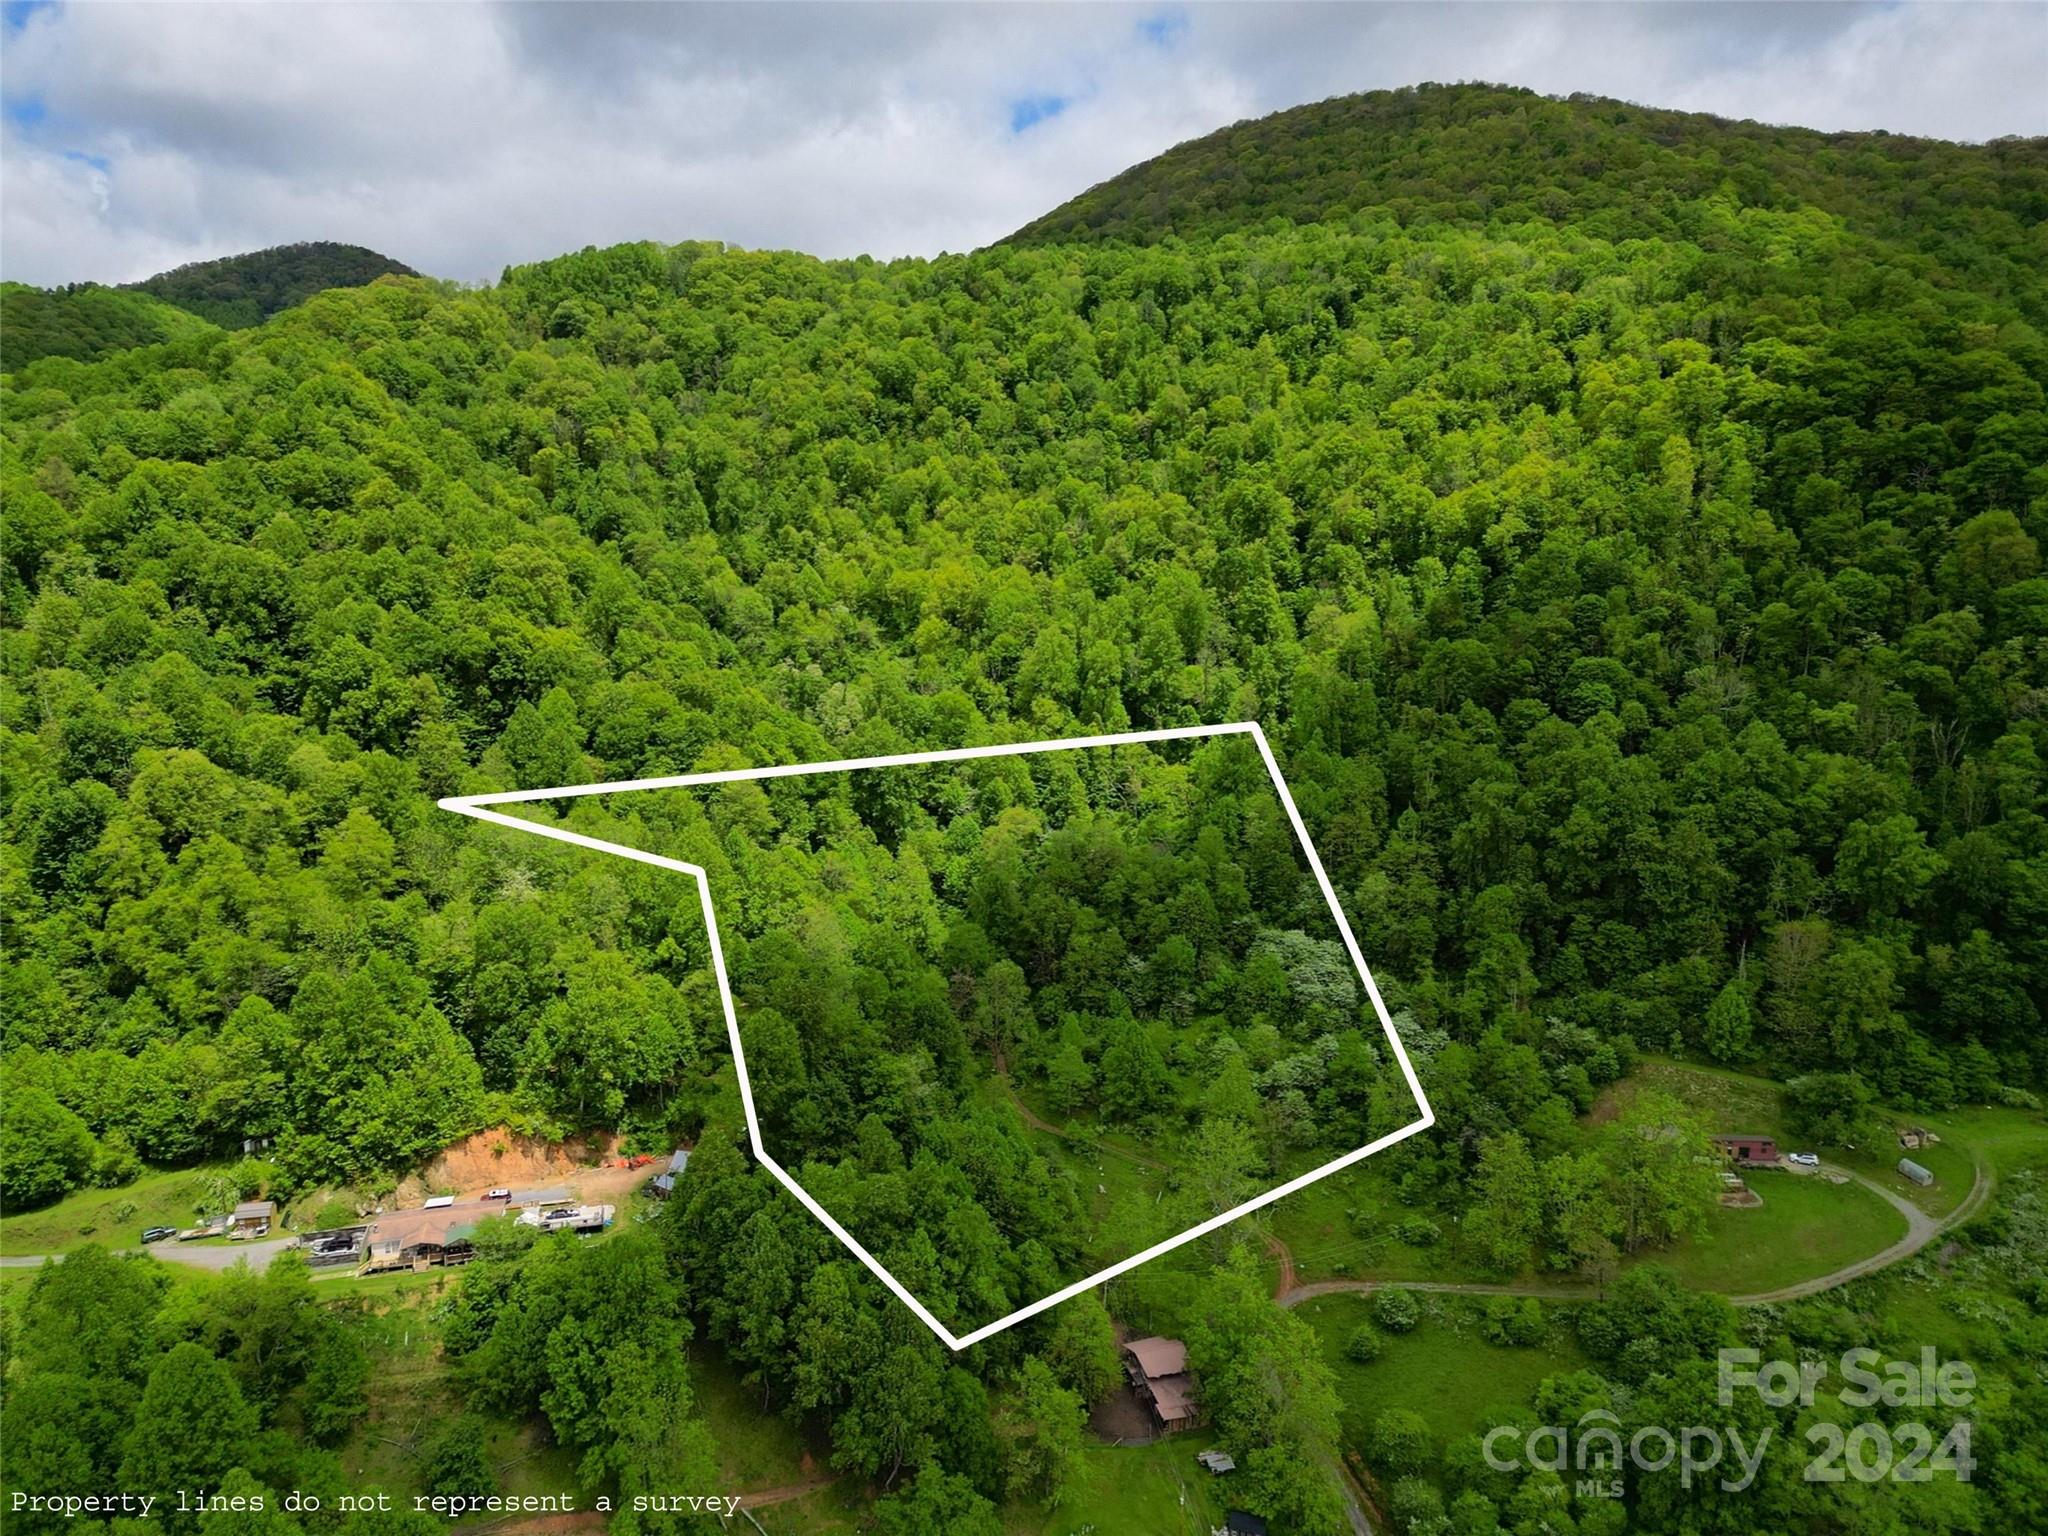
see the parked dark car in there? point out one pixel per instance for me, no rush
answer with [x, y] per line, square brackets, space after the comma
[158, 1234]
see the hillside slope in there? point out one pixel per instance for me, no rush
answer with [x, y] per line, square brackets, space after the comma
[1496, 156]
[84, 322]
[240, 291]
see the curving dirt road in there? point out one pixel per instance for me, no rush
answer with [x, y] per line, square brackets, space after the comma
[1921, 1229]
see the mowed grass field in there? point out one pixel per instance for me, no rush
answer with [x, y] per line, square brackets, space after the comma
[2007, 1140]
[1805, 1227]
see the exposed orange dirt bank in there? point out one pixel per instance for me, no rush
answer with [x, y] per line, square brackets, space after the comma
[503, 1159]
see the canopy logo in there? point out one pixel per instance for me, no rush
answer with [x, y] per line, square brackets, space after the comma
[1868, 1451]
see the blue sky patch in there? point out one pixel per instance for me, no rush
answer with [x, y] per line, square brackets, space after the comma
[1161, 30]
[15, 13]
[1027, 111]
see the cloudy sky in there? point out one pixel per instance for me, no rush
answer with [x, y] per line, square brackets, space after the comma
[459, 138]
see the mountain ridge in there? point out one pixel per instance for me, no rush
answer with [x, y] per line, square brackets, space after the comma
[1492, 156]
[239, 291]
[87, 321]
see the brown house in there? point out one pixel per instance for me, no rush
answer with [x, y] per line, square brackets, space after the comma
[1747, 1149]
[423, 1238]
[1158, 1369]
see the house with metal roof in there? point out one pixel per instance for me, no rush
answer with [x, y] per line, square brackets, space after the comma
[1158, 1370]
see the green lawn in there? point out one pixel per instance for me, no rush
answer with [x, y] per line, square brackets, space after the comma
[1134, 1490]
[1445, 1369]
[114, 1217]
[1343, 1226]
[1948, 1160]
[2007, 1139]
[1805, 1227]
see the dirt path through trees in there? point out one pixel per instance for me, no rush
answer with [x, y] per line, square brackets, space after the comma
[1038, 1123]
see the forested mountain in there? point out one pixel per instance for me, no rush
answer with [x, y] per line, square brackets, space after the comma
[84, 322]
[1494, 157]
[246, 290]
[1641, 587]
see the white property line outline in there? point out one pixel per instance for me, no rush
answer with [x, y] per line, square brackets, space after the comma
[475, 806]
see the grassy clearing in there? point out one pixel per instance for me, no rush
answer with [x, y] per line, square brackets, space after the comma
[2007, 1139]
[162, 1197]
[1740, 1104]
[1445, 1370]
[1948, 1160]
[1105, 1181]
[1805, 1227]
[1342, 1228]
[410, 1395]
[1733, 1103]
[1134, 1490]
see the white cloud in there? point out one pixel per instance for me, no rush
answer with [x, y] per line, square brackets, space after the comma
[462, 138]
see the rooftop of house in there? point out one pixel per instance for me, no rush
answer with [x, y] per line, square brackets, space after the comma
[396, 1231]
[1159, 1357]
[1173, 1396]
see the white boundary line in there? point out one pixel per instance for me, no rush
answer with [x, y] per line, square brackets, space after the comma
[477, 807]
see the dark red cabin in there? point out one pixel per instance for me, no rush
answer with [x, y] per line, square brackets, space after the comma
[1748, 1149]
